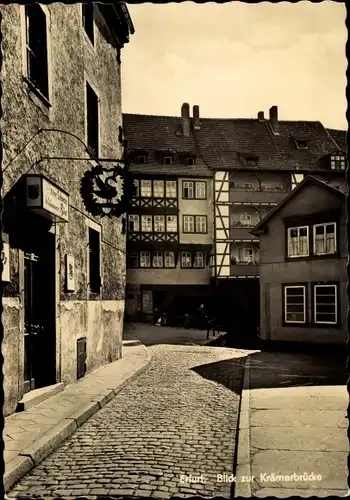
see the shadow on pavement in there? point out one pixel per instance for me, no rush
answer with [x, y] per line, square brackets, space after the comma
[228, 373]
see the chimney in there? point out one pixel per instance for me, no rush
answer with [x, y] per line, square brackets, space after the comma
[196, 122]
[274, 119]
[185, 119]
[261, 117]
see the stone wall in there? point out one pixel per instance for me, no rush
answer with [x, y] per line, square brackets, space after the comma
[72, 60]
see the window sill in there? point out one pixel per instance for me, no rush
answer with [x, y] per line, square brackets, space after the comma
[325, 325]
[38, 98]
[296, 325]
[314, 257]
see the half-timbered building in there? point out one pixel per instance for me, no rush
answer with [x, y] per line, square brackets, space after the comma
[248, 166]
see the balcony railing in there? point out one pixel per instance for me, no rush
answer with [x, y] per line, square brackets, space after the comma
[257, 196]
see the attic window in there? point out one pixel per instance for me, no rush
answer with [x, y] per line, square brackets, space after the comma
[168, 160]
[338, 162]
[301, 143]
[251, 161]
[190, 160]
[141, 160]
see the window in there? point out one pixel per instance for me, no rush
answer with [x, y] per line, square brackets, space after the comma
[159, 223]
[247, 255]
[88, 20]
[186, 259]
[201, 224]
[132, 260]
[294, 304]
[158, 189]
[298, 241]
[190, 161]
[171, 191]
[145, 259]
[134, 223]
[169, 259]
[325, 238]
[338, 162]
[245, 219]
[201, 191]
[171, 224]
[187, 189]
[94, 261]
[92, 120]
[157, 259]
[296, 179]
[168, 160]
[325, 304]
[146, 223]
[188, 225]
[37, 70]
[301, 143]
[146, 188]
[198, 260]
[141, 160]
[136, 189]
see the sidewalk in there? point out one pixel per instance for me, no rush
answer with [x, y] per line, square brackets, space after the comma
[292, 425]
[31, 435]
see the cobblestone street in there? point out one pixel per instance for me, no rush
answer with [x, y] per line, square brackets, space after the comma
[177, 419]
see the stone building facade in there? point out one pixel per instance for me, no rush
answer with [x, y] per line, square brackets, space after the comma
[64, 279]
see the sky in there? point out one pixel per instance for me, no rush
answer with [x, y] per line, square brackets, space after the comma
[236, 59]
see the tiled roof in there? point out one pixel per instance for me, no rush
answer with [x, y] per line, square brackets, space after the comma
[220, 142]
[310, 179]
[340, 137]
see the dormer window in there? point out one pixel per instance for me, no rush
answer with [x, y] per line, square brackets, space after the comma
[190, 161]
[248, 160]
[251, 161]
[141, 160]
[338, 162]
[301, 143]
[168, 160]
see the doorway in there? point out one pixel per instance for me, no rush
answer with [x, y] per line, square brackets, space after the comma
[39, 311]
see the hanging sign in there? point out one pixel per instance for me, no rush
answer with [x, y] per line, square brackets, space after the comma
[46, 198]
[106, 191]
[5, 258]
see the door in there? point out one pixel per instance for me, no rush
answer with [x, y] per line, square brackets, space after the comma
[39, 315]
[147, 305]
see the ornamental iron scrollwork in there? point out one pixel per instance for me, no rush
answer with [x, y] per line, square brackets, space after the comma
[106, 192]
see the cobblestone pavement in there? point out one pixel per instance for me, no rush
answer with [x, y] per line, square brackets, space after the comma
[178, 418]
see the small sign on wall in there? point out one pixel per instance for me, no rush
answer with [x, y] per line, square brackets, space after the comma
[5, 258]
[70, 273]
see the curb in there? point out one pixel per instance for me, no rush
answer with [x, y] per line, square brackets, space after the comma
[29, 458]
[215, 339]
[243, 467]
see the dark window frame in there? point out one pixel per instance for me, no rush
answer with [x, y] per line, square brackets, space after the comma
[94, 244]
[169, 267]
[306, 302]
[191, 256]
[37, 58]
[92, 114]
[194, 184]
[310, 222]
[140, 188]
[194, 259]
[170, 158]
[195, 216]
[131, 255]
